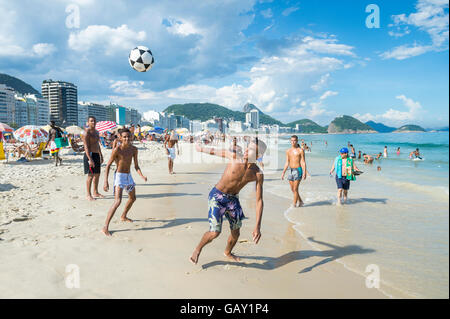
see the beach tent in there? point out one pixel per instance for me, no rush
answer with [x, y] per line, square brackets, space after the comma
[46, 128]
[6, 128]
[31, 134]
[104, 126]
[75, 130]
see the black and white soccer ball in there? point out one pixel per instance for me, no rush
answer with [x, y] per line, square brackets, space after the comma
[141, 59]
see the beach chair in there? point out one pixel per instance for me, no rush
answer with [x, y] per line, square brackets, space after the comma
[38, 152]
[102, 141]
[2, 152]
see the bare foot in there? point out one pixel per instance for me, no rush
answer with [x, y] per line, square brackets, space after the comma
[99, 195]
[194, 257]
[232, 257]
[126, 219]
[90, 198]
[300, 204]
[106, 231]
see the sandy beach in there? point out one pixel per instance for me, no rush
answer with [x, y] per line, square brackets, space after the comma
[47, 226]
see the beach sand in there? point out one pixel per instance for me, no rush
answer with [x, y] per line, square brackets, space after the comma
[48, 229]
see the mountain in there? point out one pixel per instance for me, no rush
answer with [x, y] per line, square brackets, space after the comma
[380, 127]
[308, 126]
[17, 84]
[347, 125]
[409, 128]
[206, 111]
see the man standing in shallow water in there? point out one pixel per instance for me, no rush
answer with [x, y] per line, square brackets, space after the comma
[295, 161]
[345, 168]
[123, 155]
[93, 158]
[223, 200]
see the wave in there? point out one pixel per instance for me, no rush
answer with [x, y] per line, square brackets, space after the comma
[411, 145]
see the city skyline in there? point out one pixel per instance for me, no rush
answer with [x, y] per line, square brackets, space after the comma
[315, 59]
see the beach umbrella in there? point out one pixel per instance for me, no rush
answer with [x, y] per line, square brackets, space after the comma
[182, 130]
[146, 128]
[6, 128]
[46, 128]
[31, 134]
[104, 126]
[75, 130]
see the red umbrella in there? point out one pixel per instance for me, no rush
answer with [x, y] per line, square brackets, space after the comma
[104, 126]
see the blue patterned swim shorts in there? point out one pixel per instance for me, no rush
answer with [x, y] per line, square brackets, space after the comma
[221, 204]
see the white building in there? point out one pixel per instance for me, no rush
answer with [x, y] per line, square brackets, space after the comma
[21, 111]
[195, 126]
[7, 104]
[211, 125]
[83, 114]
[42, 109]
[237, 126]
[252, 118]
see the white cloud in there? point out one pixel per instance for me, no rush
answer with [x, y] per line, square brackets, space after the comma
[432, 17]
[267, 13]
[289, 10]
[183, 28]
[43, 49]
[327, 94]
[104, 37]
[392, 116]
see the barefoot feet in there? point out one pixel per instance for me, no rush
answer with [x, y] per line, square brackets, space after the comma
[126, 219]
[194, 257]
[232, 257]
[106, 231]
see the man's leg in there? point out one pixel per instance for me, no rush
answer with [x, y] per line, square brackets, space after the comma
[339, 195]
[345, 195]
[117, 200]
[170, 166]
[96, 180]
[206, 239]
[297, 194]
[232, 240]
[291, 183]
[131, 200]
[88, 187]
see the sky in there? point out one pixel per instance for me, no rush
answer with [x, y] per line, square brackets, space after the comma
[385, 61]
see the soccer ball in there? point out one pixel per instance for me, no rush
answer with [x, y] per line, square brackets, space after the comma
[141, 59]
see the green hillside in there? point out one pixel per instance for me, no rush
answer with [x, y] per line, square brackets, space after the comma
[308, 126]
[410, 128]
[18, 85]
[348, 124]
[206, 111]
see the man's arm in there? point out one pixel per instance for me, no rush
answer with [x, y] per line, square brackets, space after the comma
[286, 165]
[136, 165]
[303, 164]
[259, 206]
[332, 169]
[212, 151]
[111, 160]
[87, 149]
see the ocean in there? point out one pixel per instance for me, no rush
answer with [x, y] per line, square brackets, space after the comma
[396, 218]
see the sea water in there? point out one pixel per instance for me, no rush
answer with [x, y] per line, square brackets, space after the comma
[396, 218]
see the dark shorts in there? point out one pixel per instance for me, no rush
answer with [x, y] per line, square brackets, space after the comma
[220, 205]
[343, 183]
[295, 174]
[96, 168]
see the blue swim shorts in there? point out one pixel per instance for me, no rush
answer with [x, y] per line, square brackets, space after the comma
[221, 204]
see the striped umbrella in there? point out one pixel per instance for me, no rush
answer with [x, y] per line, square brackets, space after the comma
[6, 128]
[75, 130]
[31, 134]
[104, 126]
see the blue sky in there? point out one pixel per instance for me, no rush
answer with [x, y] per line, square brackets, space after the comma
[293, 59]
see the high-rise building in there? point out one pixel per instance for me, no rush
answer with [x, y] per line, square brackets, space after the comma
[63, 98]
[195, 126]
[21, 111]
[42, 110]
[252, 118]
[83, 114]
[7, 104]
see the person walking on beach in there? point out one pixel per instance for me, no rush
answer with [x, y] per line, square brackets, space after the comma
[345, 168]
[398, 151]
[93, 158]
[169, 143]
[223, 200]
[54, 133]
[385, 152]
[123, 155]
[353, 152]
[296, 163]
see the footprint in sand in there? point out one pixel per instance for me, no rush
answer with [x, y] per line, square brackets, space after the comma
[21, 219]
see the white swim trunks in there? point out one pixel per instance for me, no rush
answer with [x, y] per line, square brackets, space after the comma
[171, 153]
[125, 181]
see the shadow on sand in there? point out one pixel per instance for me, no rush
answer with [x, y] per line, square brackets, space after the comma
[7, 187]
[271, 263]
[349, 202]
[165, 195]
[164, 184]
[169, 223]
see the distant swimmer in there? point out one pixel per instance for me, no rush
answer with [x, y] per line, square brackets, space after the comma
[359, 154]
[171, 140]
[346, 170]
[415, 154]
[379, 168]
[379, 156]
[367, 159]
[296, 163]
[385, 152]
[223, 200]
[398, 151]
[123, 155]
[353, 152]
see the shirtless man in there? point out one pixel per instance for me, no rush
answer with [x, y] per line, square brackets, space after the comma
[93, 158]
[123, 156]
[55, 132]
[295, 161]
[223, 199]
[169, 143]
